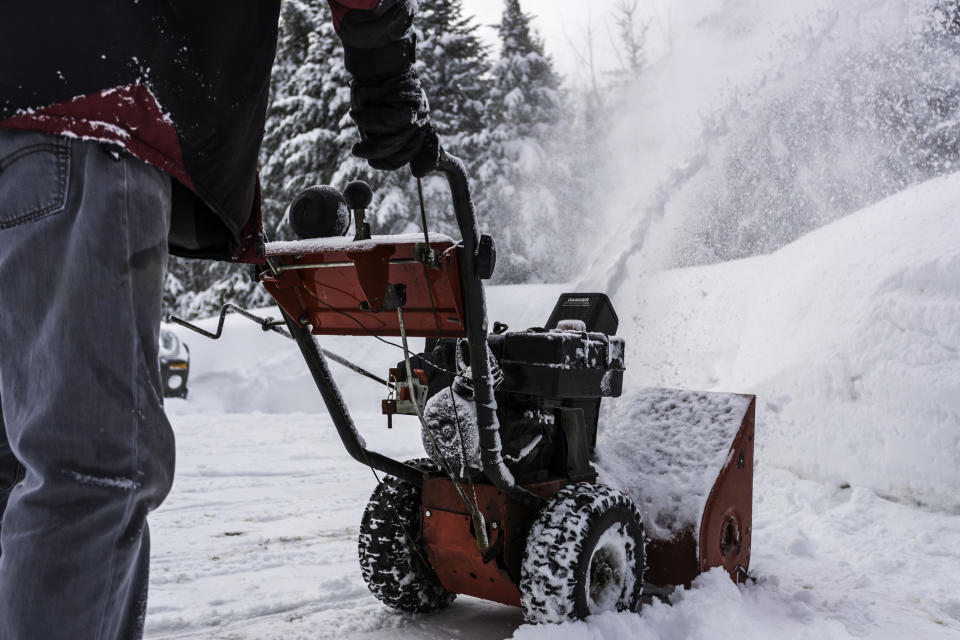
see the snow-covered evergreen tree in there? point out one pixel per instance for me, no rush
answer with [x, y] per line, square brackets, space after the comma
[525, 98]
[453, 66]
[518, 202]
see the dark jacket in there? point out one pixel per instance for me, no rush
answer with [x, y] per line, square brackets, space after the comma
[180, 84]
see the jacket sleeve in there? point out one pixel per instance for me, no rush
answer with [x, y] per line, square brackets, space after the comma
[377, 35]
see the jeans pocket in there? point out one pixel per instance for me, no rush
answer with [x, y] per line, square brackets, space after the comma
[33, 180]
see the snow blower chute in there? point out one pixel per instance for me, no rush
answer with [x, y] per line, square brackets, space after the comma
[507, 505]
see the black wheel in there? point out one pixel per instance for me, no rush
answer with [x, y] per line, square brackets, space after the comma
[393, 563]
[585, 554]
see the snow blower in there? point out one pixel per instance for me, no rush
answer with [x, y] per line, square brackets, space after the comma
[507, 505]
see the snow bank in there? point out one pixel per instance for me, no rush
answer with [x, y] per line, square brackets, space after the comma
[850, 338]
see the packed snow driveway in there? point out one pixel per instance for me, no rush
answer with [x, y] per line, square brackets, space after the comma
[259, 537]
[259, 540]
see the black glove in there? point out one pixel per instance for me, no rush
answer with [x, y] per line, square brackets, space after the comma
[393, 116]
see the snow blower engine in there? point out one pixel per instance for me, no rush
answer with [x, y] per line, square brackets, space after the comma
[507, 506]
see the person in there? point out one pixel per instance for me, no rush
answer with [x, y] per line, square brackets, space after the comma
[129, 130]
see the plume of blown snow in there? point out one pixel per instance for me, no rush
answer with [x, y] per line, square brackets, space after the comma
[767, 119]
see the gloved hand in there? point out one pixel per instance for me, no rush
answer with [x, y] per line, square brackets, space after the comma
[393, 116]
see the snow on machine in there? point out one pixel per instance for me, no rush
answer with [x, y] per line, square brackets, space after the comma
[507, 505]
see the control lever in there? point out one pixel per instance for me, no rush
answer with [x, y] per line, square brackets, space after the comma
[358, 196]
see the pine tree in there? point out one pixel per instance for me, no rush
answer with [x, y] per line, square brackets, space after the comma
[524, 104]
[453, 67]
[632, 39]
[525, 96]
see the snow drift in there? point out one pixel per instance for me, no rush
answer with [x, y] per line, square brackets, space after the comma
[850, 338]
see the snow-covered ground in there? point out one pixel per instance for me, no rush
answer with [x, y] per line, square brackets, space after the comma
[849, 336]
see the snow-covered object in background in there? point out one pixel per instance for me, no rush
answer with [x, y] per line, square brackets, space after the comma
[665, 448]
[174, 357]
[171, 347]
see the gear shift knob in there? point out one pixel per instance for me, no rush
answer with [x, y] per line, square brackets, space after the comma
[319, 212]
[359, 195]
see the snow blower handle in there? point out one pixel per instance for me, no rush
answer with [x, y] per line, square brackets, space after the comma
[477, 260]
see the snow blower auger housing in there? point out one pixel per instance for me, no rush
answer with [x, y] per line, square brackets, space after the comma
[507, 506]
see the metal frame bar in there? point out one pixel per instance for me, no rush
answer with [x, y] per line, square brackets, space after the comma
[342, 420]
[331, 265]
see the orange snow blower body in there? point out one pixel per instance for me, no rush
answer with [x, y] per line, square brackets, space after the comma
[537, 420]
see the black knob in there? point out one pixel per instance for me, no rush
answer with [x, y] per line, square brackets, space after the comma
[358, 195]
[319, 212]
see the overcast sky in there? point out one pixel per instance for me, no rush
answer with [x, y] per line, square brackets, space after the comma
[563, 25]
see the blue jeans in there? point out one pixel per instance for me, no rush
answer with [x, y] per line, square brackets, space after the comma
[86, 451]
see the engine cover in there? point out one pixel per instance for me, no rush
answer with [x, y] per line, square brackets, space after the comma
[561, 364]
